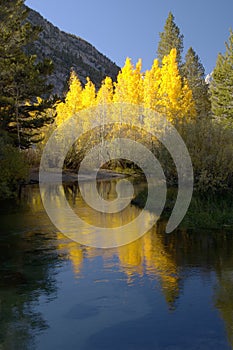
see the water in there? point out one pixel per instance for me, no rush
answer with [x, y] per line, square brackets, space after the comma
[160, 292]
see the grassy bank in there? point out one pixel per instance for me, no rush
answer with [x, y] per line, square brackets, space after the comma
[212, 211]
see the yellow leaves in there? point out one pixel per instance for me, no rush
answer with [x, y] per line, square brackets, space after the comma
[171, 84]
[129, 87]
[151, 84]
[122, 86]
[137, 91]
[105, 93]
[73, 100]
[166, 93]
[74, 96]
[39, 100]
[170, 90]
[189, 109]
[160, 89]
[88, 94]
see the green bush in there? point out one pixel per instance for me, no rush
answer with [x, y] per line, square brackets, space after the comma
[13, 169]
[210, 145]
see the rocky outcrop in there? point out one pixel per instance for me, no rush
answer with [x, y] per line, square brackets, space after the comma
[209, 78]
[69, 51]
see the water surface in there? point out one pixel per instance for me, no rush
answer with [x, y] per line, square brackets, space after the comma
[160, 292]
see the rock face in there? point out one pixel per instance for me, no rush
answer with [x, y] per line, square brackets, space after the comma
[209, 78]
[69, 51]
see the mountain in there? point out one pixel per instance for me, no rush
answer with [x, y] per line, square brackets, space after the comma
[209, 78]
[69, 51]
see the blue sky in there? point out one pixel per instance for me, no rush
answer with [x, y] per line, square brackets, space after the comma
[131, 27]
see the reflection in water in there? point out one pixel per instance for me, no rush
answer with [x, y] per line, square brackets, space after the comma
[33, 255]
[95, 228]
[146, 255]
[26, 266]
[224, 300]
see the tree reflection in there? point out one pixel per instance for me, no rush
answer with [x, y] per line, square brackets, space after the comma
[147, 255]
[162, 257]
[168, 259]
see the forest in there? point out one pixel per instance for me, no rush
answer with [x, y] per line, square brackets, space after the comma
[174, 87]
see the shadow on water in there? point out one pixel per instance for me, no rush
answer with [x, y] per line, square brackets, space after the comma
[28, 258]
[162, 291]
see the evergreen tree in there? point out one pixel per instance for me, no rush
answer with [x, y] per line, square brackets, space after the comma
[22, 78]
[194, 72]
[170, 38]
[221, 87]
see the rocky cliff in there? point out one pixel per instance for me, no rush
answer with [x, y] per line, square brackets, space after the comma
[69, 51]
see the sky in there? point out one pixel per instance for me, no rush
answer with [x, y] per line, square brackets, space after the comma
[130, 28]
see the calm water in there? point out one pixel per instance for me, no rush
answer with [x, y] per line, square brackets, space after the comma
[161, 292]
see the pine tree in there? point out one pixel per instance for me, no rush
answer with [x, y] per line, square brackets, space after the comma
[22, 79]
[221, 87]
[170, 38]
[194, 72]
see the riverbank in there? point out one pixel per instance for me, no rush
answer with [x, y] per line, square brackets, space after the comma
[71, 176]
[212, 211]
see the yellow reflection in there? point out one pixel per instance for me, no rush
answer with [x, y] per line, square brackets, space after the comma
[224, 298]
[74, 251]
[148, 255]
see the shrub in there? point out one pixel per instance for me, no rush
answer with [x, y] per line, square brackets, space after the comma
[13, 169]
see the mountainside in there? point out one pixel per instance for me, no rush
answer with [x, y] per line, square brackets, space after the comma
[69, 51]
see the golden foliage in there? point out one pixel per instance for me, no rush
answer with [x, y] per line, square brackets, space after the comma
[160, 89]
[73, 101]
[105, 93]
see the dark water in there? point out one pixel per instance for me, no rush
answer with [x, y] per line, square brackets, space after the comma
[160, 292]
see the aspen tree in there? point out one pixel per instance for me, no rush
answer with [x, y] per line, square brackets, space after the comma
[73, 101]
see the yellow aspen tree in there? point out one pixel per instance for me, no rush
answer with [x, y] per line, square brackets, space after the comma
[135, 91]
[129, 90]
[129, 86]
[88, 94]
[136, 86]
[121, 91]
[88, 101]
[73, 100]
[123, 86]
[104, 99]
[172, 94]
[105, 93]
[170, 90]
[151, 84]
[188, 102]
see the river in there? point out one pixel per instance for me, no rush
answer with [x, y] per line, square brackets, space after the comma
[163, 291]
